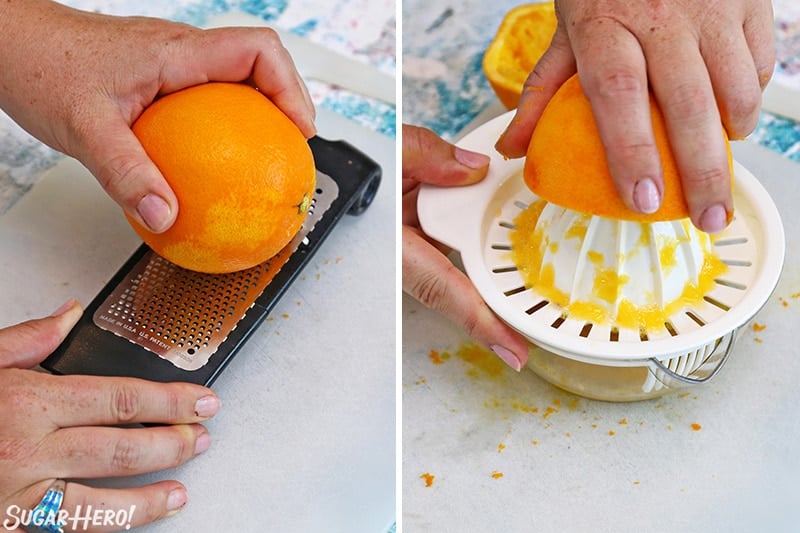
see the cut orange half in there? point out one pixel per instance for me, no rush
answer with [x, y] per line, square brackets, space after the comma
[523, 36]
[566, 162]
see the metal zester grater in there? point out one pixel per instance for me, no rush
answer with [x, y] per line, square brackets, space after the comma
[158, 321]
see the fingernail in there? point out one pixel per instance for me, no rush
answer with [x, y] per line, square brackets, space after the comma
[714, 219]
[68, 315]
[471, 159]
[69, 304]
[507, 356]
[155, 212]
[207, 406]
[498, 145]
[175, 501]
[202, 443]
[646, 197]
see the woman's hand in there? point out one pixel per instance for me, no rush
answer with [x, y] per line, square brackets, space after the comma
[706, 64]
[78, 81]
[428, 275]
[67, 427]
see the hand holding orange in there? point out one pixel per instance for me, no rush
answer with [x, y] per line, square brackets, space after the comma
[566, 162]
[242, 171]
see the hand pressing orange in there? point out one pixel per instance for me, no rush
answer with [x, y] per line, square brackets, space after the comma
[566, 163]
[705, 63]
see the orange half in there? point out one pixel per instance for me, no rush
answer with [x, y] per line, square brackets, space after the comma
[566, 162]
[522, 38]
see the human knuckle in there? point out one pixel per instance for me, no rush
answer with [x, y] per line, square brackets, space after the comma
[126, 456]
[688, 102]
[470, 322]
[149, 511]
[707, 178]
[172, 404]
[421, 141]
[635, 149]
[261, 38]
[618, 84]
[182, 449]
[121, 169]
[270, 36]
[125, 403]
[743, 109]
[536, 77]
[431, 290]
[15, 450]
[19, 392]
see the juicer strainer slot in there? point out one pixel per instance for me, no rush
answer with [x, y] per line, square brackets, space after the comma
[717, 303]
[536, 307]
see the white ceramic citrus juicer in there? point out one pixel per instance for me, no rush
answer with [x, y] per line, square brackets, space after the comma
[584, 340]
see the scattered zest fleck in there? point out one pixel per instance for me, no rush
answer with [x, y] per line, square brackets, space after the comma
[759, 327]
[497, 475]
[428, 479]
[304, 204]
[501, 447]
[623, 422]
[696, 427]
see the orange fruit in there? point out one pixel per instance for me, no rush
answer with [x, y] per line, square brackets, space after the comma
[523, 36]
[566, 163]
[243, 173]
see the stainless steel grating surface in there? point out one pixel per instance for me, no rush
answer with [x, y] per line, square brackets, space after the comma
[183, 316]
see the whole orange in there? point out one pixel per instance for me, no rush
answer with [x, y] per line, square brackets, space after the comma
[566, 162]
[242, 171]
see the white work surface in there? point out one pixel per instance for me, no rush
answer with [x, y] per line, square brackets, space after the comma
[305, 440]
[510, 453]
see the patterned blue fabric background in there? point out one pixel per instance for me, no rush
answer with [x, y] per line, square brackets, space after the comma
[444, 87]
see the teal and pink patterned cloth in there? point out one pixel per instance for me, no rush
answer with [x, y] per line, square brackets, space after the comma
[444, 87]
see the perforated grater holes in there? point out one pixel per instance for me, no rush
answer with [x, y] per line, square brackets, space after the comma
[183, 316]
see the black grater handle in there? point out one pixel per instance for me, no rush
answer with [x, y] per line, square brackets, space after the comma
[342, 158]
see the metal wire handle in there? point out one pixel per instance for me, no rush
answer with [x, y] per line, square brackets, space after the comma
[688, 380]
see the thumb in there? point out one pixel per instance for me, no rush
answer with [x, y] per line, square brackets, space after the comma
[116, 158]
[427, 158]
[435, 282]
[27, 344]
[555, 66]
